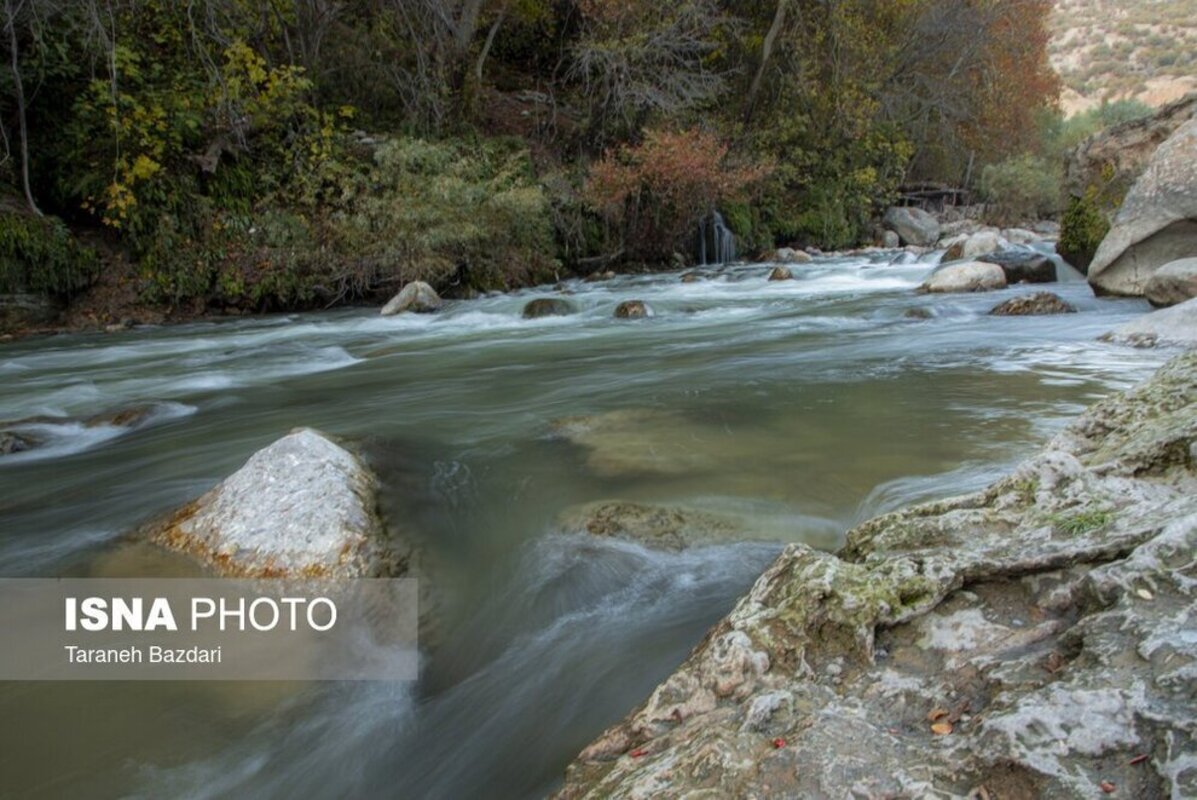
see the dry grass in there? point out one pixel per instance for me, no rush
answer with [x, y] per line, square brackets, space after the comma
[1123, 49]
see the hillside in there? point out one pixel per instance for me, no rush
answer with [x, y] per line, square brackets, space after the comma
[1124, 49]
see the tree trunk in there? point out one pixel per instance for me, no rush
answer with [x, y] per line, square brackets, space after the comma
[779, 20]
[19, 87]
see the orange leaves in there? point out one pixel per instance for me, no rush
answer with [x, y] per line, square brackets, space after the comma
[661, 188]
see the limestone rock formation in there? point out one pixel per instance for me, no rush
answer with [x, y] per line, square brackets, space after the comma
[1035, 639]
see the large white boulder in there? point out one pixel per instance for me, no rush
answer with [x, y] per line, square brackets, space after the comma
[1157, 223]
[913, 225]
[1173, 283]
[969, 276]
[417, 296]
[1168, 326]
[302, 507]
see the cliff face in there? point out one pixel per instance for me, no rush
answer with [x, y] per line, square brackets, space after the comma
[1038, 638]
[1110, 161]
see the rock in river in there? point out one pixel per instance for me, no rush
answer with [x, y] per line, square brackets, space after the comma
[970, 276]
[1035, 639]
[633, 309]
[788, 255]
[1023, 266]
[548, 307]
[913, 225]
[781, 274]
[1173, 283]
[302, 507]
[662, 527]
[1033, 305]
[1168, 326]
[416, 297]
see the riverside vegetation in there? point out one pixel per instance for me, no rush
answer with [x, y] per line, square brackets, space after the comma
[170, 158]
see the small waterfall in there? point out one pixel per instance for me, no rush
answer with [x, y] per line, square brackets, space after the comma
[716, 242]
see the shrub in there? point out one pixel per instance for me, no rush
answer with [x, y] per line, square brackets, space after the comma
[1025, 187]
[39, 255]
[657, 192]
[1082, 228]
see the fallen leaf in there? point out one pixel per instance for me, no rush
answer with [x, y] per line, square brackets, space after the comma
[1107, 787]
[1146, 595]
[1138, 759]
[779, 743]
[941, 728]
[638, 752]
[936, 714]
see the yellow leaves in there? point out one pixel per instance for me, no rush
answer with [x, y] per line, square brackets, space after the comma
[144, 168]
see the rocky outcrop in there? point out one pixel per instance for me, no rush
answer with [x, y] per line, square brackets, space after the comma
[970, 276]
[781, 274]
[1169, 326]
[1031, 640]
[548, 307]
[1117, 156]
[659, 527]
[913, 225]
[890, 240]
[1033, 305]
[1173, 283]
[302, 507]
[417, 297]
[1023, 266]
[633, 309]
[1157, 222]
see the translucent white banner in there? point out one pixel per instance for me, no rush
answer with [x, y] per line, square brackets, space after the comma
[208, 629]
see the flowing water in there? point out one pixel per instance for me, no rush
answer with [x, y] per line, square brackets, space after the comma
[798, 407]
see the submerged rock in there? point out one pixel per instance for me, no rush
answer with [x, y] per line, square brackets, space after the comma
[1173, 283]
[13, 442]
[631, 442]
[913, 225]
[1032, 305]
[691, 277]
[971, 276]
[302, 507]
[1157, 222]
[1033, 639]
[417, 297]
[633, 309]
[1168, 326]
[662, 527]
[781, 274]
[548, 307]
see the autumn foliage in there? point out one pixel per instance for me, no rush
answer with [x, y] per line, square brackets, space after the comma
[656, 192]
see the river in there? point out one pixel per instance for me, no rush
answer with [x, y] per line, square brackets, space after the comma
[799, 407]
